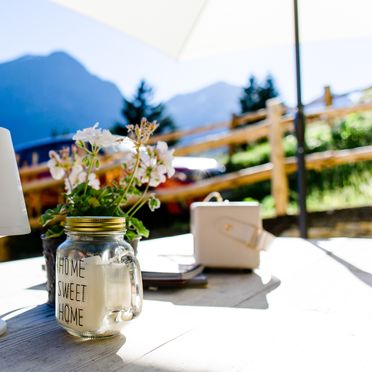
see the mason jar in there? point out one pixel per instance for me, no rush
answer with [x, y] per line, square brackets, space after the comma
[98, 278]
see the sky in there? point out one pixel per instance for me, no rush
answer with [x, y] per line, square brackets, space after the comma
[39, 27]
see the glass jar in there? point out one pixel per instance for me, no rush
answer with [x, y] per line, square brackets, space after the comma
[98, 278]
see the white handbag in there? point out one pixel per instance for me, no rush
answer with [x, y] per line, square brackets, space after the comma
[228, 234]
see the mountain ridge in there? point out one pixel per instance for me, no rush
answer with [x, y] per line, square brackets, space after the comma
[56, 94]
[39, 95]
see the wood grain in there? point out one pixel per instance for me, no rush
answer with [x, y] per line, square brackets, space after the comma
[279, 181]
[309, 301]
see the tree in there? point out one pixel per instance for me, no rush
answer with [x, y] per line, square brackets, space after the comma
[254, 96]
[268, 90]
[141, 106]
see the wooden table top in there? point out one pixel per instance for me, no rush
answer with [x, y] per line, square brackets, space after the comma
[308, 308]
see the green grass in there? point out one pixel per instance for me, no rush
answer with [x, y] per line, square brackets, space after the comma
[348, 185]
[357, 193]
[318, 138]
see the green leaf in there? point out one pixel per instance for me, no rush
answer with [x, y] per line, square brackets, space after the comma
[52, 214]
[55, 231]
[94, 202]
[80, 144]
[86, 161]
[130, 235]
[134, 191]
[137, 225]
[154, 203]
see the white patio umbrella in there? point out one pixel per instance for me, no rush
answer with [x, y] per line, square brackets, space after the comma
[186, 29]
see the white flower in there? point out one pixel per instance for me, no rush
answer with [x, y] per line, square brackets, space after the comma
[55, 170]
[106, 139]
[55, 166]
[149, 170]
[93, 181]
[96, 136]
[76, 171]
[78, 176]
[86, 135]
[82, 177]
[73, 179]
[124, 145]
[165, 157]
[128, 160]
[153, 176]
[157, 176]
[145, 166]
[54, 155]
[68, 187]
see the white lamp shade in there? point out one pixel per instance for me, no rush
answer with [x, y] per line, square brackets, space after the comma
[13, 213]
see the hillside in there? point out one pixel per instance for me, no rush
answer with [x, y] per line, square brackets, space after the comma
[49, 95]
[40, 96]
[213, 103]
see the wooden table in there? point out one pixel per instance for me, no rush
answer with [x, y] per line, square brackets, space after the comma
[308, 308]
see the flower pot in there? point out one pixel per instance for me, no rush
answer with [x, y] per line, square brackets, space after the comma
[50, 246]
[134, 244]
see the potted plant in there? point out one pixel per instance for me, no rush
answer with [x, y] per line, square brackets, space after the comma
[144, 167]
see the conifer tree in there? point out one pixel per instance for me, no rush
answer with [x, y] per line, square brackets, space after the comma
[268, 89]
[254, 96]
[141, 106]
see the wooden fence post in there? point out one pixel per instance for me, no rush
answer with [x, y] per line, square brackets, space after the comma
[233, 125]
[279, 181]
[328, 99]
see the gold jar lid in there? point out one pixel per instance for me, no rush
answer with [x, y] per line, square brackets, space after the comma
[95, 224]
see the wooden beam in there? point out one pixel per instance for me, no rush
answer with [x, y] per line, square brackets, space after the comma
[334, 113]
[262, 172]
[226, 181]
[238, 136]
[190, 132]
[251, 116]
[328, 99]
[240, 120]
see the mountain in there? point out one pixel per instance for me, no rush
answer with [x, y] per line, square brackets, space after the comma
[209, 105]
[42, 96]
[53, 94]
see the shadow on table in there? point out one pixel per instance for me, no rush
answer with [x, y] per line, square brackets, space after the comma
[38, 287]
[362, 275]
[35, 339]
[225, 288]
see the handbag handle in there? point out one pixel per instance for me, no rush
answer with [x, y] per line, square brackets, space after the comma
[214, 194]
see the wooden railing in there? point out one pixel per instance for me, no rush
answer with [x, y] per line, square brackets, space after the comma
[261, 129]
[272, 124]
[227, 124]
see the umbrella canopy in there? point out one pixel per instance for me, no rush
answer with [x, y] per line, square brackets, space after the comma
[186, 29]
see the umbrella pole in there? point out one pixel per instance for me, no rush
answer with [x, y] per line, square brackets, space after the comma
[300, 133]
